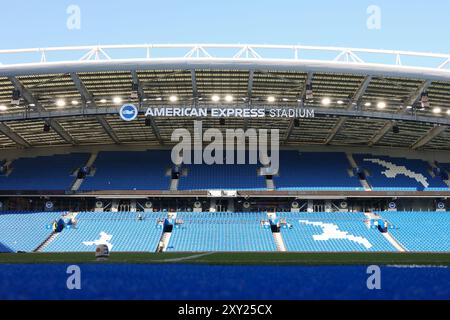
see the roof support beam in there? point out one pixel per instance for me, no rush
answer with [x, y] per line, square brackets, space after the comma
[415, 97]
[381, 133]
[7, 131]
[335, 130]
[251, 77]
[30, 99]
[194, 85]
[141, 93]
[61, 131]
[290, 128]
[85, 94]
[356, 99]
[411, 101]
[89, 100]
[359, 94]
[108, 129]
[433, 133]
[137, 82]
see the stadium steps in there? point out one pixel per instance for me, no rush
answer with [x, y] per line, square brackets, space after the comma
[270, 184]
[52, 237]
[279, 242]
[447, 182]
[46, 242]
[174, 184]
[92, 159]
[397, 245]
[8, 165]
[77, 183]
[370, 216]
[389, 237]
[164, 241]
[354, 165]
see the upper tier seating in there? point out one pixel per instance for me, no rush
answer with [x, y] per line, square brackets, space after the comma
[151, 170]
[445, 167]
[130, 171]
[331, 232]
[223, 177]
[121, 230]
[398, 174]
[43, 173]
[25, 231]
[314, 171]
[221, 231]
[420, 231]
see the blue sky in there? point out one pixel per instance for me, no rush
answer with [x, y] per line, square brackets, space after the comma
[405, 24]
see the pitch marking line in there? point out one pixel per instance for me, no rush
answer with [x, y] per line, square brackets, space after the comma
[186, 258]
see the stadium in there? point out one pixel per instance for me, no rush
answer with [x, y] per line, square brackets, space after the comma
[86, 140]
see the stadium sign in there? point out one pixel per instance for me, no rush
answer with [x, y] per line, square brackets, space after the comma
[229, 112]
[128, 112]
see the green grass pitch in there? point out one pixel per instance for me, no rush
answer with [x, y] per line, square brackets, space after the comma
[241, 258]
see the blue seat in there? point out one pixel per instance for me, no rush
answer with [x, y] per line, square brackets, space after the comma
[315, 172]
[47, 173]
[127, 233]
[144, 170]
[221, 231]
[223, 177]
[420, 231]
[302, 237]
[404, 174]
[25, 231]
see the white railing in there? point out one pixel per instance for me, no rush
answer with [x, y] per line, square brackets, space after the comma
[224, 51]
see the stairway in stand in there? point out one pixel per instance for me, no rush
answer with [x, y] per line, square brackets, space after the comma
[47, 241]
[279, 242]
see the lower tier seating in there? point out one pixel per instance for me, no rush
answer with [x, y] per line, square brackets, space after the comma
[224, 231]
[420, 231]
[121, 231]
[331, 232]
[25, 231]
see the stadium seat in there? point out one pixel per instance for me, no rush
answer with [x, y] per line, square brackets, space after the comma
[130, 171]
[315, 171]
[25, 231]
[399, 174]
[331, 232]
[421, 231]
[221, 231]
[223, 177]
[43, 173]
[122, 230]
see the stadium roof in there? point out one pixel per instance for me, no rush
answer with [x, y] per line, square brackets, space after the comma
[371, 92]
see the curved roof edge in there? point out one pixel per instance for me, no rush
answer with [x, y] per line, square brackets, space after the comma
[431, 66]
[227, 64]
